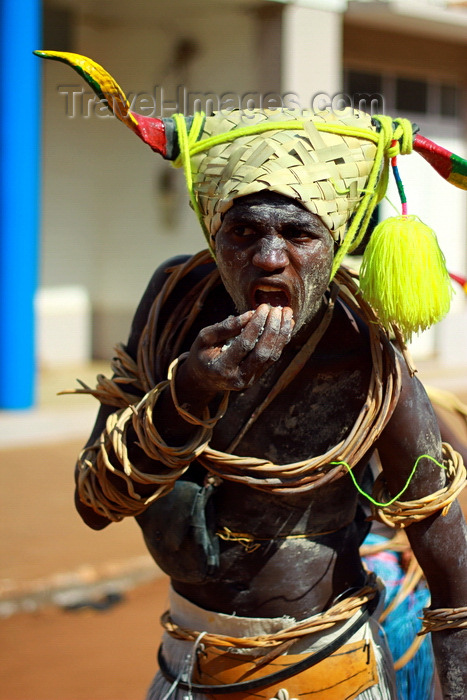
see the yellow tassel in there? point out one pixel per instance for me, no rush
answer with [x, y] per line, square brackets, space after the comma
[404, 276]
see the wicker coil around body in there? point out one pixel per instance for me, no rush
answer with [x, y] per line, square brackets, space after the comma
[159, 347]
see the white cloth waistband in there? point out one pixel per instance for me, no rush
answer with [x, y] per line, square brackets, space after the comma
[186, 614]
[180, 654]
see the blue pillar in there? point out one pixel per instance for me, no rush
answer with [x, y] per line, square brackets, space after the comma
[20, 22]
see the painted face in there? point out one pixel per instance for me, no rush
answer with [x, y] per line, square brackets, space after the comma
[271, 250]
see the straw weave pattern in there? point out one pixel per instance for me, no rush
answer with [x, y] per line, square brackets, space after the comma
[326, 172]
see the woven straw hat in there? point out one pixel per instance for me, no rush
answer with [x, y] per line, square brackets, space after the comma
[326, 172]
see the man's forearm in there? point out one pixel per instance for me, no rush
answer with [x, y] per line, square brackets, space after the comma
[450, 649]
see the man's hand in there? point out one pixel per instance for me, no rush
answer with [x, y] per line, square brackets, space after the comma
[232, 355]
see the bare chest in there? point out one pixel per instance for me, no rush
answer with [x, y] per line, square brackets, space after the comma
[312, 414]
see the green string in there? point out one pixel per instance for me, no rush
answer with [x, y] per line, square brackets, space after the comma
[186, 142]
[396, 498]
[295, 124]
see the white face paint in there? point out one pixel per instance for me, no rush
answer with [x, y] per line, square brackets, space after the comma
[270, 249]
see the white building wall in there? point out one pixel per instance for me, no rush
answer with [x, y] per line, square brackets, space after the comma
[104, 220]
[311, 53]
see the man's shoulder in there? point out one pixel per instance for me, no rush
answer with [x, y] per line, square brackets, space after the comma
[191, 269]
[201, 266]
[413, 425]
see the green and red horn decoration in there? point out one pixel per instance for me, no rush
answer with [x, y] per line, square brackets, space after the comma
[453, 168]
[159, 134]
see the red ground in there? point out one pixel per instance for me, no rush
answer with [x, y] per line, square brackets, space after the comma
[53, 654]
[86, 655]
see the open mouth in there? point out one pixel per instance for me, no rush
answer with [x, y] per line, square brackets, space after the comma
[267, 294]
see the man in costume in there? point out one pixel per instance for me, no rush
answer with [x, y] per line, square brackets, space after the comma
[251, 396]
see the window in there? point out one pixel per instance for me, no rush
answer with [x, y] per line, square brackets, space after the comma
[364, 82]
[449, 101]
[402, 94]
[365, 91]
[411, 95]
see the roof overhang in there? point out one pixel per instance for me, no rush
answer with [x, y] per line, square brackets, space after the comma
[441, 21]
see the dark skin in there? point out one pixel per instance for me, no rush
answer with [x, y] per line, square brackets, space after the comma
[275, 258]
